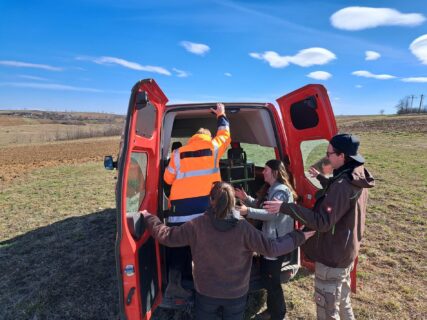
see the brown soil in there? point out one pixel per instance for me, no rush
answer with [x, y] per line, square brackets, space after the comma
[414, 123]
[18, 160]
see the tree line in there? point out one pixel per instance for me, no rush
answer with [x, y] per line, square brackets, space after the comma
[412, 104]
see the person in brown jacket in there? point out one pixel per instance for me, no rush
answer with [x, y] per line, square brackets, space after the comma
[339, 219]
[222, 246]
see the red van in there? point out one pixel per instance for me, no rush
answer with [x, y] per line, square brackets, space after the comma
[297, 132]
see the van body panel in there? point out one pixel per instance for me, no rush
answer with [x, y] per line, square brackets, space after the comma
[140, 292]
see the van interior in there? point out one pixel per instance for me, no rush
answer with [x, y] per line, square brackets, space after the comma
[252, 129]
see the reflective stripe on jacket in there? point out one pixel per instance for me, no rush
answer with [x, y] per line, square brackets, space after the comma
[194, 167]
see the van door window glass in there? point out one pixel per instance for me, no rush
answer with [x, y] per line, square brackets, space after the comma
[146, 120]
[313, 155]
[135, 189]
[304, 113]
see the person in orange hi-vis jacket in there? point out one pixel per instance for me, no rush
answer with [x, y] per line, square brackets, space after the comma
[192, 170]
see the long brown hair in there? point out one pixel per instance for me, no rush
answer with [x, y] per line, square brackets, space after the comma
[223, 200]
[281, 175]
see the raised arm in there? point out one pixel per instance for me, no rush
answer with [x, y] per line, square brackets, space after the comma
[222, 138]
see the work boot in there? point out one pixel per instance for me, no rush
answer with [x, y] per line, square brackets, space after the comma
[174, 288]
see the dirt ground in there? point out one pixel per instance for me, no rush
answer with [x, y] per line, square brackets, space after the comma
[16, 161]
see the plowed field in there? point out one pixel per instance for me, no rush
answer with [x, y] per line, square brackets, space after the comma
[15, 161]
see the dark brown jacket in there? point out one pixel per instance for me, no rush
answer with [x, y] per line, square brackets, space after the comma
[338, 216]
[222, 250]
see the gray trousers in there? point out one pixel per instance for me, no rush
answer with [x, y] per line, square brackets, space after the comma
[332, 292]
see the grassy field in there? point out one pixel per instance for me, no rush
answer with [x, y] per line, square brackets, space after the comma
[57, 228]
[29, 127]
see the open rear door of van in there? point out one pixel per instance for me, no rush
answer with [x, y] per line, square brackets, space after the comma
[137, 254]
[309, 124]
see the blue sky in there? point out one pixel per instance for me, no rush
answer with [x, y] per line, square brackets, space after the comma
[85, 55]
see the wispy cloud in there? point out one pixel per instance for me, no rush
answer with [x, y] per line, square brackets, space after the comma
[196, 48]
[418, 47]
[415, 79]
[319, 75]
[24, 76]
[228, 74]
[304, 58]
[372, 55]
[48, 86]
[367, 74]
[20, 64]
[359, 18]
[358, 86]
[181, 73]
[127, 64]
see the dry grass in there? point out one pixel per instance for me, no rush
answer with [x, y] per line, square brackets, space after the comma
[57, 230]
[28, 127]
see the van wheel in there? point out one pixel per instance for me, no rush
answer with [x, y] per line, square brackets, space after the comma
[256, 301]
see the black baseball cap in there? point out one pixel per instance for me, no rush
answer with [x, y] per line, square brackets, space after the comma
[349, 145]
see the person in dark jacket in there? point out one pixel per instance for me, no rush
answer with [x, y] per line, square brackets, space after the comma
[222, 245]
[339, 219]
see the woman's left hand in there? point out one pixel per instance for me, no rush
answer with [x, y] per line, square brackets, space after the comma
[242, 209]
[272, 206]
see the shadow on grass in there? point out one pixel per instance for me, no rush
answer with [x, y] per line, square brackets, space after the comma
[63, 271]
[67, 271]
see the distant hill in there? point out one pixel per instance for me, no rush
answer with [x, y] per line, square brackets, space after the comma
[74, 118]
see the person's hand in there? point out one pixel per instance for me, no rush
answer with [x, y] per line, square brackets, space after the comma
[272, 206]
[144, 212]
[313, 172]
[240, 194]
[308, 234]
[220, 110]
[242, 209]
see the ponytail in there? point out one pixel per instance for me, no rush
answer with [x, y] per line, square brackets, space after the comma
[223, 201]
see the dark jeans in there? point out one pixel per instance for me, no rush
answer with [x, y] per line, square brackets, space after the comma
[270, 271]
[207, 308]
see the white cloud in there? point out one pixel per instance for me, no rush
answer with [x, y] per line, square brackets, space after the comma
[359, 18]
[228, 74]
[20, 64]
[24, 76]
[358, 86]
[367, 74]
[418, 48]
[196, 48]
[130, 65]
[319, 75]
[415, 79]
[181, 73]
[304, 58]
[372, 55]
[48, 86]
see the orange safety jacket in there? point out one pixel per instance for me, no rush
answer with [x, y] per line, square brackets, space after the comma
[192, 170]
